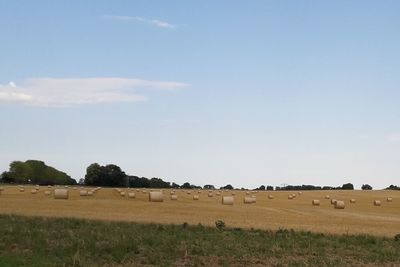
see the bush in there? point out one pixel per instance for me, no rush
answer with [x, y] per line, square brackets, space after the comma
[220, 225]
[397, 238]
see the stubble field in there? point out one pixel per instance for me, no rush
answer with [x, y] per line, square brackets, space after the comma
[361, 217]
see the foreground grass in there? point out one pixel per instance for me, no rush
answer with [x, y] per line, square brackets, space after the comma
[34, 241]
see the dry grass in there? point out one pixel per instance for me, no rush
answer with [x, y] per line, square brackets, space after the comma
[298, 213]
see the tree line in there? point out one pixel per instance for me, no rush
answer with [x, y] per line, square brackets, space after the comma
[37, 172]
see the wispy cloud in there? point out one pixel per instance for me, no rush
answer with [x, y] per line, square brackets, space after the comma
[154, 22]
[55, 92]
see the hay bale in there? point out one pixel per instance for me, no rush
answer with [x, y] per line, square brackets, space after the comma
[1, 188]
[172, 193]
[22, 189]
[210, 194]
[47, 192]
[174, 197]
[389, 199]
[122, 194]
[300, 193]
[61, 193]
[131, 195]
[333, 201]
[352, 201]
[233, 193]
[290, 197]
[327, 197]
[33, 191]
[218, 194]
[188, 192]
[270, 197]
[249, 200]
[315, 202]
[90, 193]
[227, 200]
[83, 193]
[248, 193]
[377, 202]
[195, 197]
[339, 204]
[156, 196]
[49, 186]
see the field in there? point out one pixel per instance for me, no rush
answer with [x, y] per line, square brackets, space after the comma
[42, 242]
[361, 217]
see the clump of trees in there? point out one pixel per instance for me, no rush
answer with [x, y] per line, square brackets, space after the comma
[347, 186]
[35, 172]
[393, 187]
[366, 187]
[109, 175]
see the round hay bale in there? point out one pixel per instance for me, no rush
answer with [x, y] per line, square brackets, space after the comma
[22, 190]
[33, 191]
[327, 197]
[270, 197]
[333, 201]
[47, 193]
[339, 204]
[233, 193]
[315, 202]
[172, 193]
[1, 188]
[377, 202]
[300, 193]
[218, 194]
[174, 197]
[227, 200]
[83, 193]
[144, 192]
[156, 196]
[290, 197]
[352, 201]
[249, 200]
[60, 193]
[210, 194]
[66, 186]
[188, 192]
[248, 193]
[49, 186]
[389, 199]
[195, 197]
[90, 193]
[131, 195]
[122, 194]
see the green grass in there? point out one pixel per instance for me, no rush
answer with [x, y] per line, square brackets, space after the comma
[35, 241]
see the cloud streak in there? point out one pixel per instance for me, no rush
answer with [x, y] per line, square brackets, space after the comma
[154, 22]
[55, 92]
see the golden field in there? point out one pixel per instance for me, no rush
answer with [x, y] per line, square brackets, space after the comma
[280, 212]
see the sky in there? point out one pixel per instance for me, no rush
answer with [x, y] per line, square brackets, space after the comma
[246, 93]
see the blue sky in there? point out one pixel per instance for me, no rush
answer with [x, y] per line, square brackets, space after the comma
[210, 92]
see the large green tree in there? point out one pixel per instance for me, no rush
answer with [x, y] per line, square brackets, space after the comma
[109, 175]
[35, 172]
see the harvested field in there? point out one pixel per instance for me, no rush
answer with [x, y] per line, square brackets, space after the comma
[298, 213]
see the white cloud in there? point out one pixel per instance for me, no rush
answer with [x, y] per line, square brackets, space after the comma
[154, 22]
[54, 92]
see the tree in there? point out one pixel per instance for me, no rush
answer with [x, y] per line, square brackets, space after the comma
[186, 186]
[209, 187]
[366, 187]
[35, 172]
[228, 187]
[270, 188]
[348, 186]
[109, 175]
[261, 188]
